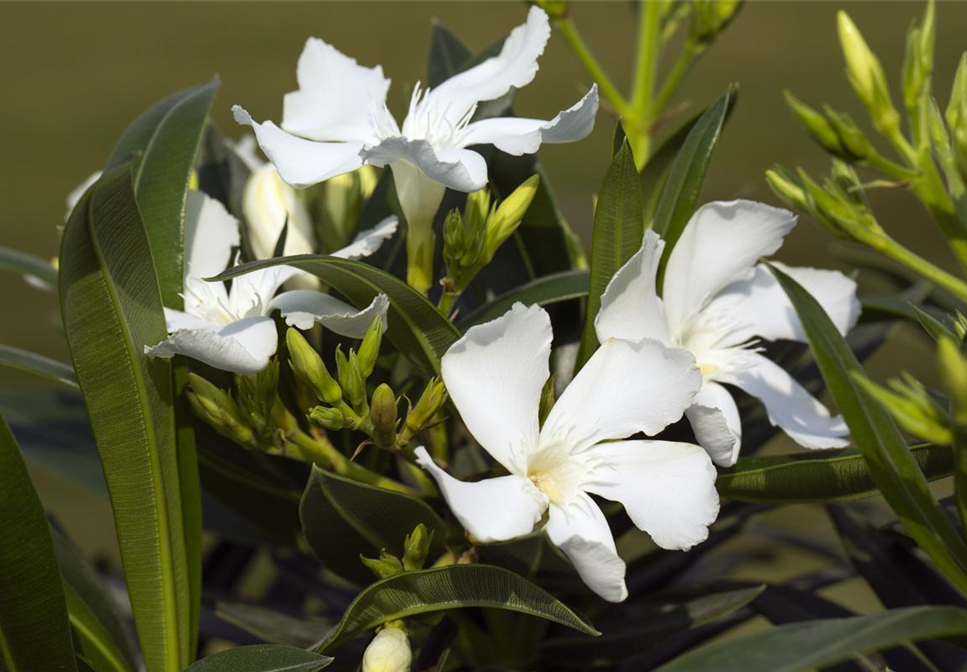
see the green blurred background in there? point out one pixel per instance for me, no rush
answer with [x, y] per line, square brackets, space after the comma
[73, 75]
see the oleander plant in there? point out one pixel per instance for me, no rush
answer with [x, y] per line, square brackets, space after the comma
[364, 359]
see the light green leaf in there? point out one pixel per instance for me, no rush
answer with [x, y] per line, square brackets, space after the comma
[342, 518]
[619, 227]
[34, 631]
[111, 306]
[452, 587]
[30, 362]
[683, 187]
[822, 476]
[416, 327]
[817, 644]
[890, 462]
[262, 658]
[541, 292]
[26, 264]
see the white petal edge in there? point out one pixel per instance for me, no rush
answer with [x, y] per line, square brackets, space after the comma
[301, 163]
[210, 234]
[494, 509]
[240, 347]
[494, 374]
[720, 245]
[667, 488]
[626, 387]
[630, 307]
[518, 136]
[370, 240]
[715, 421]
[302, 308]
[581, 531]
[459, 169]
[788, 404]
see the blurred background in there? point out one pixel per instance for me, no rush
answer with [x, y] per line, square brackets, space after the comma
[73, 75]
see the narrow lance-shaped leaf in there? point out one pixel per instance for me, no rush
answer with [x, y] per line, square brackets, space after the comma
[30, 362]
[29, 266]
[544, 291]
[111, 306]
[889, 460]
[262, 658]
[619, 227]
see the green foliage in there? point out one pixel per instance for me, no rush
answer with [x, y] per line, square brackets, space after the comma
[262, 658]
[30, 362]
[29, 266]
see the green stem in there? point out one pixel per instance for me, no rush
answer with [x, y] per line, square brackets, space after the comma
[668, 88]
[570, 33]
[891, 248]
[646, 64]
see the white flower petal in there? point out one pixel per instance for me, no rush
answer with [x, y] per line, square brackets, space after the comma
[495, 509]
[494, 375]
[210, 234]
[252, 293]
[720, 244]
[177, 319]
[303, 308]
[269, 205]
[715, 420]
[581, 531]
[630, 307]
[788, 404]
[335, 96]
[514, 67]
[626, 387]
[300, 162]
[370, 240]
[518, 136]
[240, 347]
[458, 169]
[760, 307]
[667, 488]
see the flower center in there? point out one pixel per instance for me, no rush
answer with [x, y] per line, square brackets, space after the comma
[427, 120]
[556, 473]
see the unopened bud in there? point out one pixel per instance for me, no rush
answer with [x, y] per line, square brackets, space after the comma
[911, 408]
[383, 566]
[509, 214]
[218, 409]
[953, 377]
[958, 95]
[257, 395]
[454, 240]
[866, 74]
[350, 377]
[784, 187]
[851, 138]
[711, 18]
[918, 62]
[369, 348]
[383, 413]
[308, 366]
[388, 652]
[416, 547]
[432, 400]
[816, 124]
[330, 418]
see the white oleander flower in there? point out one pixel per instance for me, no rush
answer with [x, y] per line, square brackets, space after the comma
[716, 302]
[495, 375]
[231, 329]
[388, 652]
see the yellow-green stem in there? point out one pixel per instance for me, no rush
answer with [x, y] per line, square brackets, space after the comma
[610, 92]
[890, 248]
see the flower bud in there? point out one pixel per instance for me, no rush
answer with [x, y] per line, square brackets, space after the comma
[953, 377]
[329, 418]
[911, 407]
[816, 124]
[509, 214]
[711, 18]
[218, 409]
[383, 413]
[866, 74]
[369, 348]
[388, 652]
[784, 186]
[918, 62]
[432, 400]
[454, 243]
[385, 565]
[350, 377]
[268, 203]
[256, 399]
[416, 547]
[308, 366]
[851, 138]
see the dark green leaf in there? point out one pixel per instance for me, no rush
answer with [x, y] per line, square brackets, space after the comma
[806, 646]
[451, 587]
[683, 187]
[100, 634]
[111, 306]
[261, 658]
[368, 519]
[619, 228]
[34, 631]
[639, 626]
[38, 365]
[447, 55]
[416, 327]
[889, 460]
[823, 476]
[541, 292]
[28, 265]
[272, 626]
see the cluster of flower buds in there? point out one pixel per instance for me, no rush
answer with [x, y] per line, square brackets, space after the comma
[956, 117]
[710, 18]
[866, 75]
[471, 239]
[416, 546]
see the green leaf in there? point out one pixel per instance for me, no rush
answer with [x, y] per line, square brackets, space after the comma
[636, 627]
[30, 362]
[272, 626]
[26, 265]
[167, 137]
[683, 187]
[452, 587]
[447, 55]
[619, 228]
[367, 518]
[890, 462]
[101, 636]
[814, 644]
[823, 476]
[111, 306]
[541, 292]
[416, 327]
[261, 658]
[34, 631]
